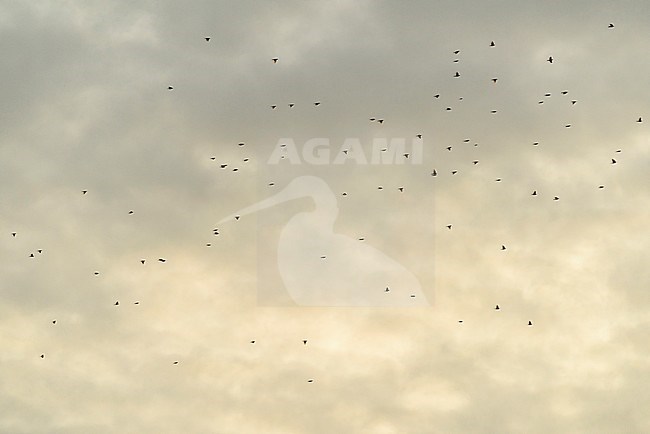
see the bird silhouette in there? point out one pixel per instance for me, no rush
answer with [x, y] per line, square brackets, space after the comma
[457, 74]
[207, 39]
[611, 26]
[275, 60]
[497, 307]
[550, 59]
[503, 247]
[352, 271]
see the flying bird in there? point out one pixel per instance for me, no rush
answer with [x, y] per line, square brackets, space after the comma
[503, 247]
[550, 59]
[162, 260]
[530, 323]
[457, 74]
[84, 191]
[497, 307]
[304, 341]
[534, 193]
[611, 26]
[613, 161]
[492, 44]
[275, 60]
[640, 120]
[317, 103]
[170, 88]
[434, 173]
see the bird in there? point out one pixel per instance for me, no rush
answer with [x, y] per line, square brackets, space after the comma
[564, 92]
[613, 161]
[162, 260]
[535, 143]
[304, 341]
[639, 120]
[453, 172]
[475, 162]
[498, 180]
[13, 234]
[497, 307]
[131, 212]
[31, 255]
[611, 26]
[448, 148]
[84, 191]
[175, 363]
[550, 59]
[419, 136]
[601, 186]
[387, 289]
[503, 247]
[291, 105]
[556, 198]
[530, 323]
[567, 126]
[493, 111]
[241, 144]
[494, 80]
[317, 103]
[40, 250]
[310, 381]
[117, 303]
[136, 302]
[534, 193]
[381, 121]
[457, 74]
[401, 189]
[207, 39]
[457, 51]
[434, 173]
[96, 273]
[449, 227]
[492, 44]
[275, 60]
[273, 107]
[223, 166]
[54, 322]
[547, 94]
[252, 342]
[170, 88]
[573, 101]
[142, 261]
[42, 356]
[436, 95]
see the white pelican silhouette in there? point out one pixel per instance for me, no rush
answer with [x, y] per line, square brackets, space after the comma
[322, 268]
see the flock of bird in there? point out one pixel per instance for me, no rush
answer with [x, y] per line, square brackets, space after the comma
[434, 173]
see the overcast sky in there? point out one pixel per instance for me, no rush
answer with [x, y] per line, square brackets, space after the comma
[85, 105]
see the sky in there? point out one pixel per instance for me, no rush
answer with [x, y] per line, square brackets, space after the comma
[128, 102]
